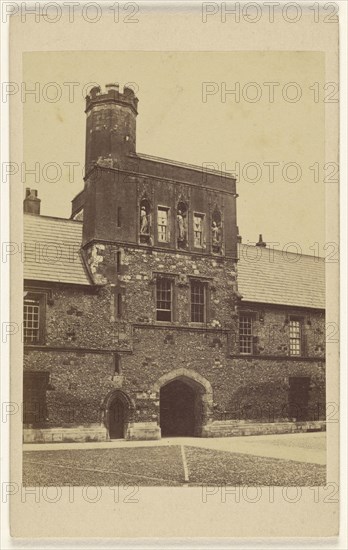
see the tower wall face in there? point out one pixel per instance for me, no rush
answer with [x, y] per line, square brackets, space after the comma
[110, 134]
[110, 126]
[154, 213]
[158, 237]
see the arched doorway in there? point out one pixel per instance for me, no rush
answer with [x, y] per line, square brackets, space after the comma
[117, 412]
[177, 409]
[186, 402]
[116, 419]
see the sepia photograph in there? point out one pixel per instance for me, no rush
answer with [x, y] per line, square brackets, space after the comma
[174, 258]
[174, 315]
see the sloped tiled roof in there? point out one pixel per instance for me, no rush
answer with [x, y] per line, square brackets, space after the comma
[264, 276]
[285, 278]
[52, 250]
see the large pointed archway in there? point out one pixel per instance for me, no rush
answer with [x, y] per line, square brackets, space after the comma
[186, 400]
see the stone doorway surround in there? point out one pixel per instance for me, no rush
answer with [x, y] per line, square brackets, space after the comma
[203, 394]
[108, 406]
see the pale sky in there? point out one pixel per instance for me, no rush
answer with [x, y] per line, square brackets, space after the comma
[175, 123]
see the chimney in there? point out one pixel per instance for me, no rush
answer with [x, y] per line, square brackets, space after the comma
[261, 243]
[31, 203]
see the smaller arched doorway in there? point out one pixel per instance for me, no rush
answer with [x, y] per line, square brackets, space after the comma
[117, 409]
[116, 419]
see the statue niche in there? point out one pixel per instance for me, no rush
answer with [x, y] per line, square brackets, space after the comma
[181, 225]
[216, 232]
[145, 222]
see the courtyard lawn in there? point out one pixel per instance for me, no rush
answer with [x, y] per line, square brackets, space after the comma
[104, 467]
[163, 466]
[207, 466]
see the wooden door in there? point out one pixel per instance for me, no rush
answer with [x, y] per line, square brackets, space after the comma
[116, 420]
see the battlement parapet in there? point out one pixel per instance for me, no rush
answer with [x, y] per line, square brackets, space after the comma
[112, 94]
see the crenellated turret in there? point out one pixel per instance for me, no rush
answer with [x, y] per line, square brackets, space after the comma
[111, 126]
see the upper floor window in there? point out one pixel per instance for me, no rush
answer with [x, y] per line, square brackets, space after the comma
[198, 226]
[198, 302]
[295, 329]
[33, 318]
[246, 334]
[164, 299]
[163, 224]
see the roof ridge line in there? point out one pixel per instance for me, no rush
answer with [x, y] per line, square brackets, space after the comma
[52, 218]
[282, 251]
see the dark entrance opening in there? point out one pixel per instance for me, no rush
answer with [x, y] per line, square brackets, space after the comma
[177, 409]
[299, 398]
[116, 419]
[35, 386]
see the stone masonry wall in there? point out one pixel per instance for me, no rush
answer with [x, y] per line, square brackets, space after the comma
[271, 326]
[78, 384]
[244, 388]
[138, 278]
[87, 318]
[259, 389]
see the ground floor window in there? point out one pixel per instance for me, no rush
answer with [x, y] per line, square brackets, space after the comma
[246, 334]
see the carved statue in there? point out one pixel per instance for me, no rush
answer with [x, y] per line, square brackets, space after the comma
[144, 221]
[216, 236]
[181, 226]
